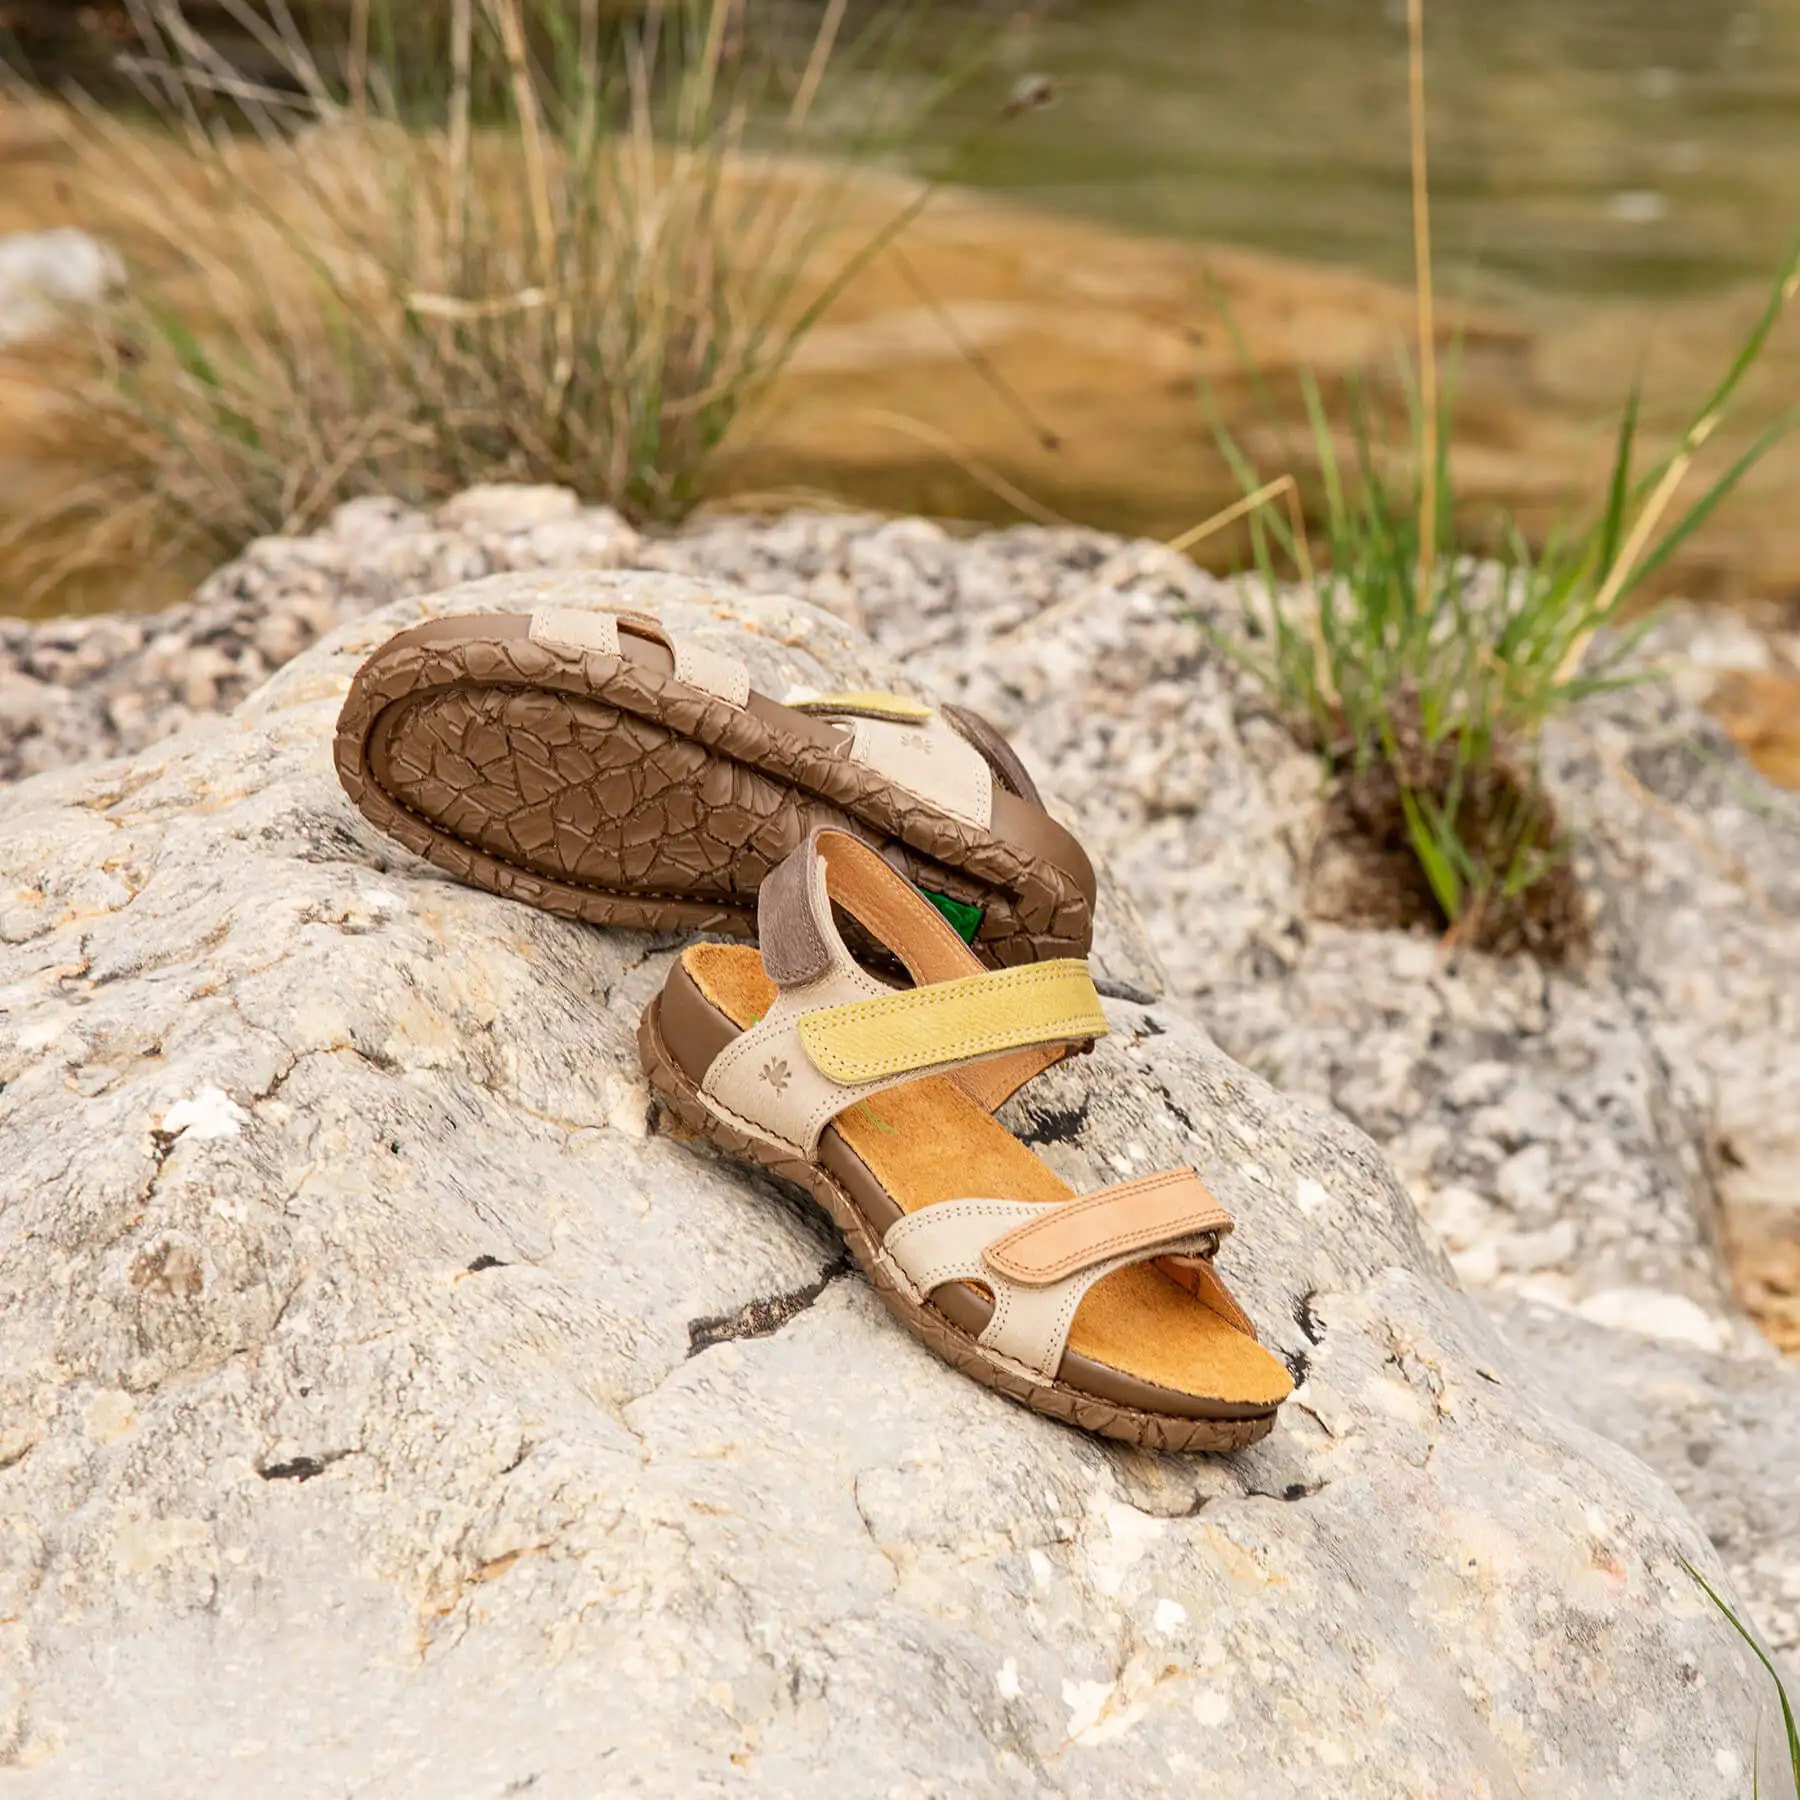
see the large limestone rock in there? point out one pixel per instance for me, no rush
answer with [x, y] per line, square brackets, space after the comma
[1724, 1431]
[386, 1407]
[1573, 1133]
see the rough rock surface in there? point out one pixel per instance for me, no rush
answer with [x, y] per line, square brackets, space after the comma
[1577, 1138]
[1723, 1431]
[78, 687]
[1572, 1135]
[389, 1410]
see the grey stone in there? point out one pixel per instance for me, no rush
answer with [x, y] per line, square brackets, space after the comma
[43, 273]
[1649, 1091]
[130, 680]
[1651, 1084]
[1724, 1432]
[385, 1411]
[505, 507]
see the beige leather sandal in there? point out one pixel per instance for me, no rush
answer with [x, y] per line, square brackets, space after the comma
[592, 764]
[1104, 1311]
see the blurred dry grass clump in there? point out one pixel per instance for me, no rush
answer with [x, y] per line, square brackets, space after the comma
[570, 248]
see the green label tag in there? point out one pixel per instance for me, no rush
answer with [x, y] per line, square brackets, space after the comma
[965, 920]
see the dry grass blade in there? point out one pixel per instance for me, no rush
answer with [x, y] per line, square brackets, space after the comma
[977, 471]
[1428, 371]
[531, 138]
[816, 62]
[1790, 1726]
[575, 264]
[359, 57]
[462, 37]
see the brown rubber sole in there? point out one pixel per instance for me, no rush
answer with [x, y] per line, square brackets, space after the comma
[680, 1100]
[603, 789]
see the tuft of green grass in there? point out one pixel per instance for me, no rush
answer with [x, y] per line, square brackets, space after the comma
[1424, 673]
[569, 247]
[1789, 1725]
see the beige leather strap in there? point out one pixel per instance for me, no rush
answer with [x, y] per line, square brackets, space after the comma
[930, 759]
[1068, 1247]
[998, 754]
[712, 671]
[916, 749]
[799, 940]
[575, 632]
[959, 1021]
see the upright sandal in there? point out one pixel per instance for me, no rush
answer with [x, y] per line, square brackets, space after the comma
[1103, 1311]
[597, 766]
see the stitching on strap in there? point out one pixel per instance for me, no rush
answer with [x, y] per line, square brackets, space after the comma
[847, 1043]
[1201, 1217]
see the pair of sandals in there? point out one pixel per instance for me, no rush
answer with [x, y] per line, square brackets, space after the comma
[597, 766]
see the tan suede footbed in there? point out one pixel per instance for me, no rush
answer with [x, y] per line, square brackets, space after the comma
[927, 1142]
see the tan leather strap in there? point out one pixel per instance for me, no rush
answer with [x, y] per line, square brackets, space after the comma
[986, 1033]
[575, 632]
[1156, 1210]
[951, 1021]
[1040, 1259]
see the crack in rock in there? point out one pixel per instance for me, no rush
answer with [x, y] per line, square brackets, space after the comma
[1113, 989]
[301, 1468]
[766, 1314]
[1307, 1319]
[1055, 1124]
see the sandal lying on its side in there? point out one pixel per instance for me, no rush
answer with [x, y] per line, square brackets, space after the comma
[592, 764]
[1103, 1311]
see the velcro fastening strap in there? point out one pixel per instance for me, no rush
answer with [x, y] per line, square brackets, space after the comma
[724, 677]
[576, 632]
[952, 1021]
[1166, 1211]
[927, 758]
[865, 705]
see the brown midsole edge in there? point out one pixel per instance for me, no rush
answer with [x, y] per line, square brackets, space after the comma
[1168, 1431]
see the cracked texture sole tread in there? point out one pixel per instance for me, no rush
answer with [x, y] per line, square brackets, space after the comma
[600, 790]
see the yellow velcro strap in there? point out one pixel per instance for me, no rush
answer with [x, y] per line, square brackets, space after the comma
[952, 1021]
[868, 706]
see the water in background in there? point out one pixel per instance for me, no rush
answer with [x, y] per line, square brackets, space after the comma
[1613, 183]
[1579, 147]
